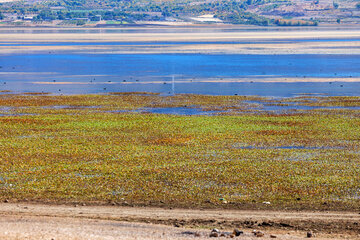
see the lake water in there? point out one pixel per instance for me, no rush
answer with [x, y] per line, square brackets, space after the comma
[179, 73]
[70, 70]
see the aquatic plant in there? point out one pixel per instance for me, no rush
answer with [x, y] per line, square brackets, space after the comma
[87, 151]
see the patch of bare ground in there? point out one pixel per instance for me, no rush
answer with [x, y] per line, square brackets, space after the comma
[39, 221]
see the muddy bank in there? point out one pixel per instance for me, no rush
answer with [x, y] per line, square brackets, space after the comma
[327, 224]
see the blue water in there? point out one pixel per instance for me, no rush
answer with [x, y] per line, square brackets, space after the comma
[96, 73]
[292, 107]
[194, 65]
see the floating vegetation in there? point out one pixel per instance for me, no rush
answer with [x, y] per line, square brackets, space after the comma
[101, 148]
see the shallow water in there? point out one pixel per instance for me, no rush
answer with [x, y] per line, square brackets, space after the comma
[292, 107]
[179, 73]
[144, 66]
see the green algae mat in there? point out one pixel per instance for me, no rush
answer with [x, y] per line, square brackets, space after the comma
[232, 153]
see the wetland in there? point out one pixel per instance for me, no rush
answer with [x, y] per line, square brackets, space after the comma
[217, 118]
[216, 61]
[111, 147]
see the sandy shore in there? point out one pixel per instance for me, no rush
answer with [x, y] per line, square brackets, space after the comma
[36, 221]
[188, 36]
[207, 42]
[286, 48]
[42, 227]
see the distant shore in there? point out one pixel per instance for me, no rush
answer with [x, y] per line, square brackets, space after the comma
[147, 24]
[210, 40]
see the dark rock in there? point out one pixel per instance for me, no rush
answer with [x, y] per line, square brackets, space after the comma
[273, 236]
[265, 224]
[214, 234]
[310, 234]
[237, 232]
[6, 201]
[258, 233]
[285, 225]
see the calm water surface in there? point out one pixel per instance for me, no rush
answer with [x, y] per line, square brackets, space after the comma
[71, 73]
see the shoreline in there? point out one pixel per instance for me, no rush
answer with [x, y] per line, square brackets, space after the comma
[117, 159]
[284, 224]
[209, 41]
[179, 25]
[192, 36]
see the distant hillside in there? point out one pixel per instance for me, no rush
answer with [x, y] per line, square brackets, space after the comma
[325, 11]
[257, 12]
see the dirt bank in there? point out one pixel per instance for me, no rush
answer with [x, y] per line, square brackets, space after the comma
[36, 221]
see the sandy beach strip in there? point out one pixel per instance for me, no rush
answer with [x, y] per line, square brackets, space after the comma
[317, 47]
[189, 36]
[183, 41]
